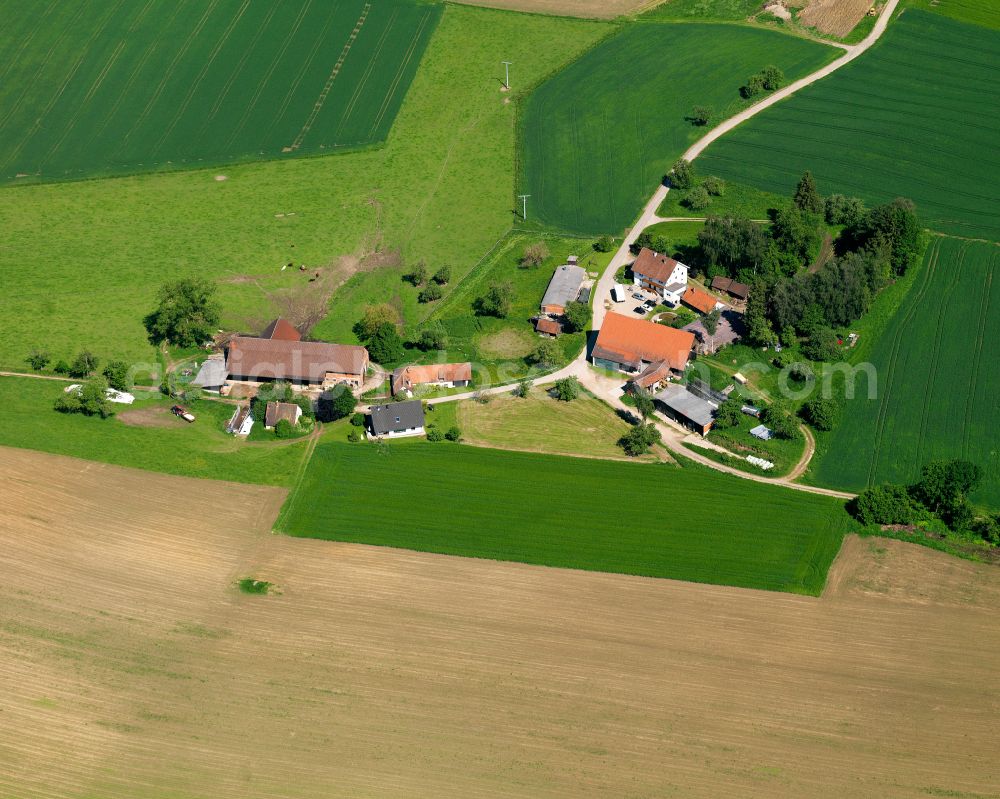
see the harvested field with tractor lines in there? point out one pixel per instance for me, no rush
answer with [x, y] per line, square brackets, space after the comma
[910, 118]
[98, 88]
[136, 667]
[937, 379]
[838, 17]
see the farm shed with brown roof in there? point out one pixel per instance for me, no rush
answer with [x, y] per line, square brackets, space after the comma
[698, 299]
[276, 411]
[303, 362]
[739, 291]
[548, 327]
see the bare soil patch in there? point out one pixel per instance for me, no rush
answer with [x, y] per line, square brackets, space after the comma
[133, 665]
[148, 417]
[605, 9]
[838, 17]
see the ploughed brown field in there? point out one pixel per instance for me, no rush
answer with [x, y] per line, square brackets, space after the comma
[838, 17]
[132, 667]
[605, 9]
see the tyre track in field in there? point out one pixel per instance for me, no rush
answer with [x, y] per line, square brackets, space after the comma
[196, 83]
[893, 357]
[970, 399]
[372, 62]
[387, 100]
[26, 42]
[267, 76]
[936, 353]
[168, 73]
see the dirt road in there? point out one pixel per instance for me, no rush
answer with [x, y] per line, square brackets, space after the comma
[132, 666]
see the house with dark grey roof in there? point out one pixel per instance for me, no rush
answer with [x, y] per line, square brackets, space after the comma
[396, 419]
[564, 288]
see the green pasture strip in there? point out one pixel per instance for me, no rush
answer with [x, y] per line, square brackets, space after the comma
[655, 520]
[937, 381]
[119, 87]
[170, 445]
[599, 136]
[81, 262]
[910, 118]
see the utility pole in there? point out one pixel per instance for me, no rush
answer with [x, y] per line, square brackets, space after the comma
[506, 69]
[524, 205]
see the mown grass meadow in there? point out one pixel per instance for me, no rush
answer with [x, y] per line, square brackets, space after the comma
[647, 519]
[937, 379]
[599, 136]
[911, 118]
[96, 88]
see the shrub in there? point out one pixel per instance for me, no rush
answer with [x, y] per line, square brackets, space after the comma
[884, 504]
[453, 434]
[442, 276]
[283, 429]
[534, 254]
[358, 420]
[821, 412]
[187, 313]
[118, 374]
[431, 293]
[638, 440]
[90, 400]
[781, 422]
[714, 186]
[354, 436]
[38, 359]
[604, 244]
[84, 363]
[373, 317]
[61, 367]
[822, 345]
[577, 316]
[497, 300]
[343, 404]
[548, 353]
[700, 115]
[523, 389]
[682, 174]
[433, 434]
[418, 275]
[729, 413]
[698, 199]
[567, 389]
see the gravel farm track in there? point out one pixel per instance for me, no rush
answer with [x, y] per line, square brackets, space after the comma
[134, 667]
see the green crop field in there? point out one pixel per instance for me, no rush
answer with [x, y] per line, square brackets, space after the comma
[910, 118]
[81, 262]
[599, 136]
[978, 12]
[570, 512]
[96, 87]
[937, 380]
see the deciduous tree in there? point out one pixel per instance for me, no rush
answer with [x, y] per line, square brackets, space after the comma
[187, 313]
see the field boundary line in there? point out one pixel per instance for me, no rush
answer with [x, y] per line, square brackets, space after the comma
[400, 72]
[300, 474]
[349, 108]
[201, 76]
[325, 91]
[270, 71]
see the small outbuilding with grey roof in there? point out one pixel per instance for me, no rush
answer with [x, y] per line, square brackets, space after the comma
[687, 408]
[212, 375]
[564, 288]
[396, 419]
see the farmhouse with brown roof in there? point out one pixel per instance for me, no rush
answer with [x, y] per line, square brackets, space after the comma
[276, 411]
[449, 375]
[700, 300]
[660, 274]
[631, 345]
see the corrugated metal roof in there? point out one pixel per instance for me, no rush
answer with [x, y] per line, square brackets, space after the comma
[564, 287]
[679, 399]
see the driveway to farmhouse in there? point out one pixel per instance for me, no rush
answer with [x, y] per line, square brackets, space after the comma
[673, 434]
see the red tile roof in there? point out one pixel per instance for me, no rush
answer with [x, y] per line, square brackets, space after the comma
[698, 299]
[550, 326]
[282, 330]
[654, 265]
[409, 376]
[626, 340]
[652, 374]
[276, 359]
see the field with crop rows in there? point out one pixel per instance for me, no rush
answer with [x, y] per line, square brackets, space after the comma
[599, 136]
[572, 512]
[910, 118]
[978, 12]
[93, 87]
[937, 381]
